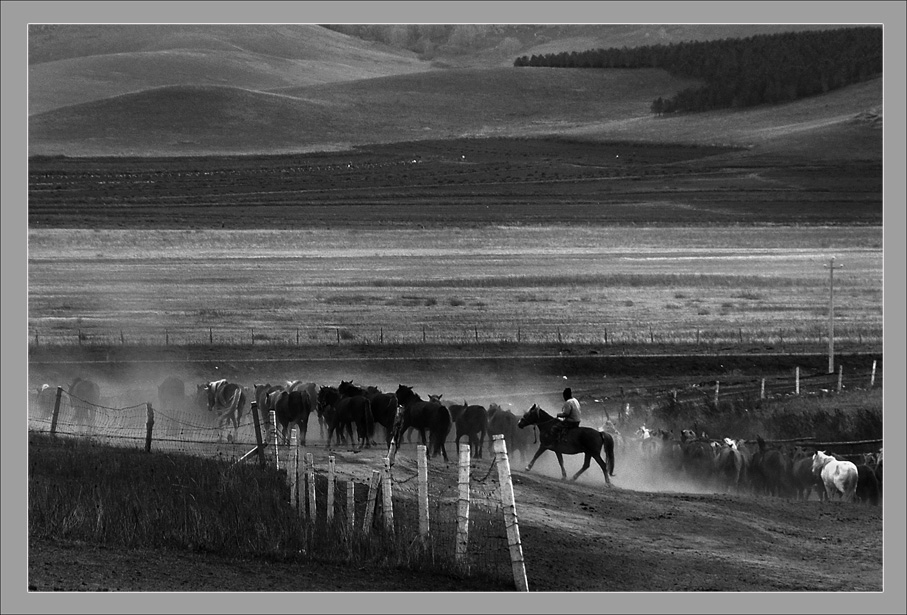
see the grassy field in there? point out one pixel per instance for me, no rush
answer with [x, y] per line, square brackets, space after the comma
[758, 286]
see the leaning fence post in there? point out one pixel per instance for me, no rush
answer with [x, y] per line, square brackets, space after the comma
[310, 473]
[371, 502]
[387, 494]
[840, 377]
[273, 420]
[510, 517]
[424, 527]
[149, 425]
[463, 506]
[292, 476]
[53, 420]
[253, 408]
[872, 378]
[797, 380]
[331, 485]
[351, 506]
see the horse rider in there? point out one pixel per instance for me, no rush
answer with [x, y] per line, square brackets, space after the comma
[569, 415]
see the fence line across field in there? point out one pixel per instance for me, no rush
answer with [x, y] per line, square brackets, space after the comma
[609, 334]
[131, 422]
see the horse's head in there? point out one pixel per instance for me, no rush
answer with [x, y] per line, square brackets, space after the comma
[530, 417]
[820, 460]
[404, 393]
[435, 398]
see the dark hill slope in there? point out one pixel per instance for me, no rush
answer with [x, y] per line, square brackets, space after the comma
[445, 104]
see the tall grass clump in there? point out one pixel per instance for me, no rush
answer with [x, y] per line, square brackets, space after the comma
[125, 497]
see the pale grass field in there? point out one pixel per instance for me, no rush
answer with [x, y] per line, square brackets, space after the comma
[457, 285]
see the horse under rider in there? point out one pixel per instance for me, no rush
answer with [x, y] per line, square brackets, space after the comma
[570, 413]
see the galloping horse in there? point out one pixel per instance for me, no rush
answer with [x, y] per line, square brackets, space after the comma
[228, 400]
[839, 477]
[575, 440]
[422, 415]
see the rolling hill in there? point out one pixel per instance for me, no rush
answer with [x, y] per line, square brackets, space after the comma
[203, 90]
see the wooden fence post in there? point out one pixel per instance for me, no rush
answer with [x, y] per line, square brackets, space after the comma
[387, 494]
[381, 336]
[149, 426]
[762, 390]
[423, 334]
[697, 337]
[122, 339]
[273, 420]
[477, 333]
[424, 527]
[510, 516]
[372, 502]
[329, 510]
[297, 336]
[840, 377]
[166, 338]
[310, 475]
[53, 420]
[292, 474]
[463, 507]
[872, 378]
[351, 506]
[717, 386]
[210, 335]
[253, 408]
[797, 380]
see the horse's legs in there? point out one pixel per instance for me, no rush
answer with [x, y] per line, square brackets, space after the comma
[560, 460]
[587, 461]
[538, 454]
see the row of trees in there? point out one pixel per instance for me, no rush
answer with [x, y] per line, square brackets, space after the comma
[744, 72]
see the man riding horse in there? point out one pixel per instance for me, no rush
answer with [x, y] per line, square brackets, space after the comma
[570, 414]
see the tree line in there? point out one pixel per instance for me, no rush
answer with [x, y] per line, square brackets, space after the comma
[743, 72]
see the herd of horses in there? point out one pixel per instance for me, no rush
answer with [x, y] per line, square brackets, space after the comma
[759, 467]
[726, 464]
[402, 413]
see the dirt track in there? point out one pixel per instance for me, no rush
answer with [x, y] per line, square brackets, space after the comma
[637, 536]
[645, 533]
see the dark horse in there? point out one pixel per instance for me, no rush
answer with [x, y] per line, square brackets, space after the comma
[422, 415]
[384, 405]
[575, 440]
[471, 421]
[341, 412]
[291, 407]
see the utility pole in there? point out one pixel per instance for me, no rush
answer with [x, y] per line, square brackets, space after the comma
[831, 313]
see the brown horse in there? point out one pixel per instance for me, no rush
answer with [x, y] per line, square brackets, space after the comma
[575, 440]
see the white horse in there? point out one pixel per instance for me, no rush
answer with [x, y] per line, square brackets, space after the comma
[839, 477]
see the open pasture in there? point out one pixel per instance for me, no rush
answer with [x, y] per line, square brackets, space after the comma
[752, 286]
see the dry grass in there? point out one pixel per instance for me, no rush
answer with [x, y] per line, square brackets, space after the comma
[661, 284]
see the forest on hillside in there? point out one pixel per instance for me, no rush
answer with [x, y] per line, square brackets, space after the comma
[744, 72]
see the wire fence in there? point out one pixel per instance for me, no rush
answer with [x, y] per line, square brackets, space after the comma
[613, 334]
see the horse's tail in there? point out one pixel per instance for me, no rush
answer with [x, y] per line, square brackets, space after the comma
[608, 443]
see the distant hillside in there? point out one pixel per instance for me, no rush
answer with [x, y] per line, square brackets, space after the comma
[443, 104]
[485, 45]
[200, 90]
[72, 64]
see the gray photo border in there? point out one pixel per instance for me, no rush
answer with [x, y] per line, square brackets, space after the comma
[15, 17]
